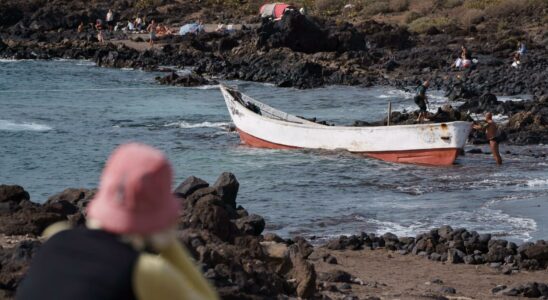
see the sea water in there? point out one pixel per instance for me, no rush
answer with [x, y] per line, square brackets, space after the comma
[59, 120]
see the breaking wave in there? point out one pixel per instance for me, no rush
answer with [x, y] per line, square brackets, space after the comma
[184, 124]
[537, 182]
[6, 125]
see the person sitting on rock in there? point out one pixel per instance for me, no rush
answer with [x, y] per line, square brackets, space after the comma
[464, 60]
[138, 23]
[133, 216]
[130, 26]
[492, 134]
[518, 54]
[100, 34]
[110, 19]
[81, 27]
[99, 24]
[422, 100]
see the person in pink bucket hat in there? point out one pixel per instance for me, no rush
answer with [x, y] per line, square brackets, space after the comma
[132, 217]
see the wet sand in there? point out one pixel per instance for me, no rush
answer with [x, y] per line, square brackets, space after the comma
[389, 275]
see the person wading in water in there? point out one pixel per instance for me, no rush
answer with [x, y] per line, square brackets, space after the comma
[491, 131]
[132, 217]
[421, 100]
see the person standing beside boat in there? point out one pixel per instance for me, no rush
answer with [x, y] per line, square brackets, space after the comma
[492, 133]
[421, 100]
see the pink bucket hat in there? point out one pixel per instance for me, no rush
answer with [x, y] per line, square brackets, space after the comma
[135, 192]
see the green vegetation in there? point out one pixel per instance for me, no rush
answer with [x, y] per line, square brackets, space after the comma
[145, 4]
[480, 4]
[421, 25]
[411, 16]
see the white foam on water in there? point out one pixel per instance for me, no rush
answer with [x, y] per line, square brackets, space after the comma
[537, 182]
[516, 98]
[490, 220]
[397, 229]
[207, 87]
[498, 118]
[397, 93]
[8, 60]
[86, 63]
[184, 124]
[6, 125]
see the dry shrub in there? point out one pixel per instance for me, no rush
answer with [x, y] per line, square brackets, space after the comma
[329, 7]
[398, 5]
[411, 16]
[506, 8]
[421, 25]
[375, 8]
[145, 4]
[480, 4]
[452, 3]
[471, 17]
[425, 7]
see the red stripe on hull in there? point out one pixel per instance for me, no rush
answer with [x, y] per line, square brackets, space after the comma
[257, 142]
[438, 157]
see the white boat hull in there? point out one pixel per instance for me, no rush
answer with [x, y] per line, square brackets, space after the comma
[433, 144]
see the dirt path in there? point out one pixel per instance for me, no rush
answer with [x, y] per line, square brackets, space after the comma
[394, 276]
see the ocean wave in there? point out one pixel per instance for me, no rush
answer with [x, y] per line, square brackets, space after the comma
[497, 118]
[537, 182]
[400, 230]
[207, 87]
[390, 94]
[495, 221]
[86, 63]
[185, 124]
[6, 125]
[8, 60]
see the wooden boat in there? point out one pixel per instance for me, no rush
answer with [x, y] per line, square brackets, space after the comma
[260, 125]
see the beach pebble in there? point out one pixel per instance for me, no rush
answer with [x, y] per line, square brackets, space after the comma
[507, 270]
[435, 256]
[447, 290]
[495, 265]
[498, 288]
[345, 286]
[330, 259]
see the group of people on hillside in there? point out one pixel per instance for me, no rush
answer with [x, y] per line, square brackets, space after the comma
[465, 60]
[136, 25]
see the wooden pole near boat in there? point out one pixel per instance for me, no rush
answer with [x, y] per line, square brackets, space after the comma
[389, 113]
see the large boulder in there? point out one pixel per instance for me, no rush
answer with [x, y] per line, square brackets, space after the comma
[78, 197]
[189, 186]
[294, 31]
[15, 262]
[188, 79]
[13, 193]
[227, 188]
[252, 224]
[538, 251]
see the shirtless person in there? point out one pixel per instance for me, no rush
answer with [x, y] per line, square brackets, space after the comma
[491, 132]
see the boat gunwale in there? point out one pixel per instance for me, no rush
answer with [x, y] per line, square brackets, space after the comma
[313, 125]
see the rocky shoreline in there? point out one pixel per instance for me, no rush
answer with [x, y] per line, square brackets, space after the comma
[244, 263]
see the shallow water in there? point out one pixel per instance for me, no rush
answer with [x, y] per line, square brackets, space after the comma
[59, 120]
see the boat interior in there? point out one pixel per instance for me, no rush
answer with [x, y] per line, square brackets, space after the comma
[265, 110]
